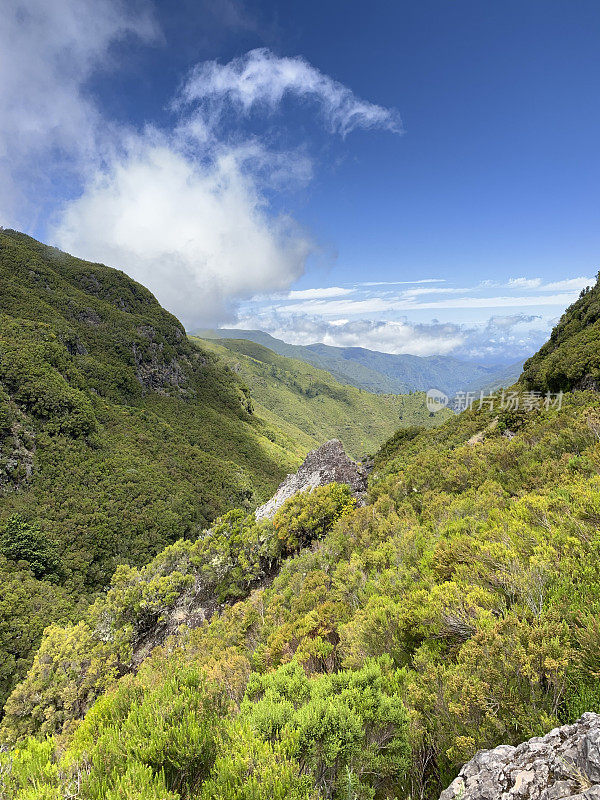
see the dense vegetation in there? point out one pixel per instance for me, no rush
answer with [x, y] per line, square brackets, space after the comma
[117, 436]
[571, 357]
[312, 406]
[456, 611]
[338, 651]
[383, 373]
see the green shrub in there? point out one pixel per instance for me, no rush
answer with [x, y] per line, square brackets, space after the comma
[250, 768]
[350, 723]
[311, 514]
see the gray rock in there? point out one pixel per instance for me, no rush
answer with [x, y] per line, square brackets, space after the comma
[586, 383]
[327, 464]
[563, 764]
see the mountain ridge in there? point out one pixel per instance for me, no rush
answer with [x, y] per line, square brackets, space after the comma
[383, 373]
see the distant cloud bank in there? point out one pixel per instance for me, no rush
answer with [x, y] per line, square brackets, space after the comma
[373, 315]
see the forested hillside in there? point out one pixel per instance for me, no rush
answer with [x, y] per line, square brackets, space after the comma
[340, 651]
[117, 436]
[119, 432]
[312, 406]
[571, 358]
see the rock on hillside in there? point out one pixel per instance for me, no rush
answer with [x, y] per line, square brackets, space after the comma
[563, 764]
[327, 464]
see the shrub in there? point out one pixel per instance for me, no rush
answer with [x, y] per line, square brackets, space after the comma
[310, 515]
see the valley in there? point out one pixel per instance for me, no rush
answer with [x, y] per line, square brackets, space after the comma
[159, 640]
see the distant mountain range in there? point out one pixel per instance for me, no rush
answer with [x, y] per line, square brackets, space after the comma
[311, 406]
[384, 373]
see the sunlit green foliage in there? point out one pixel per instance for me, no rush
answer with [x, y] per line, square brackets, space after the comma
[348, 729]
[27, 606]
[572, 353]
[76, 663]
[309, 515]
[30, 772]
[250, 768]
[310, 406]
[467, 590]
[342, 652]
[167, 724]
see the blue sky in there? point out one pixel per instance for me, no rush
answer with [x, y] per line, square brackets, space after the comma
[411, 176]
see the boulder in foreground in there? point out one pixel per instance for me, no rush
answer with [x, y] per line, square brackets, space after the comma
[563, 764]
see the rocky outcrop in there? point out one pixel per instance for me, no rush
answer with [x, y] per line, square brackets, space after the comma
[327, 464]
[587, 383]
[198, 602]
[17, 451]
[563, 764]
[155, 372]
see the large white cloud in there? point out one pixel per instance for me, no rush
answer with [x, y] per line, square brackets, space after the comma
[197, 234]
[390, 336]
[49, 126]
[185, 211]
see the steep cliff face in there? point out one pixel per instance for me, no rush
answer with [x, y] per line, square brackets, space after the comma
[563, 764]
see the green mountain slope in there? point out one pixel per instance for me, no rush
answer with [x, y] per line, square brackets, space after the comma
[503, 377]
[383, 372]
[133, 434]
[117, 436]
[312, 406]
[571, 358]
[343, 651]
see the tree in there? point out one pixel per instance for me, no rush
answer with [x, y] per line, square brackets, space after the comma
[21, 540]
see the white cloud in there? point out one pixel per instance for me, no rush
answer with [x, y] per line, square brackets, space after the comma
[398, 336]
[381, 305]
[184, 211]
[523, 283]
[261, 80]
[566, 285]
[318, 294]
[425, 290]
[570, 284]
[198, 235]
[48, 51]
[500, 338]
[400, 283]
